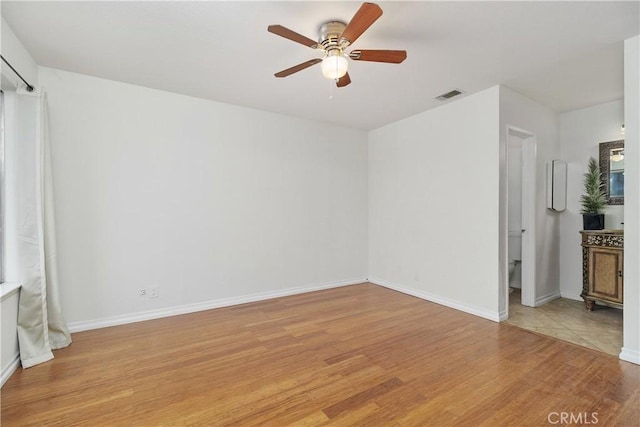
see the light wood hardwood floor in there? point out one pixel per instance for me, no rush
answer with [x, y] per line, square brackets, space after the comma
[358, 355]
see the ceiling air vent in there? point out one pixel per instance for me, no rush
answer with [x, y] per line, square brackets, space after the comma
[449, 95]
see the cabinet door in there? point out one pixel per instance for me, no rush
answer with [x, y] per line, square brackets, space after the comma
[605, 274]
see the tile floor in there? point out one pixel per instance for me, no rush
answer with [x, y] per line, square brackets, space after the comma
[568, 320]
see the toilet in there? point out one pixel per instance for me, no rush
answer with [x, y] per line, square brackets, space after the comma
[515, 257]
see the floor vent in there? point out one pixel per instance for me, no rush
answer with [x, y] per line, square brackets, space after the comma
[449, 95]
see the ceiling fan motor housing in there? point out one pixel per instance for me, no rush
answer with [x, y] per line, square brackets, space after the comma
[330, 33]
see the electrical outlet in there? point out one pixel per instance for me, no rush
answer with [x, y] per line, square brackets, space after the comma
[154, 292]
[143, 292]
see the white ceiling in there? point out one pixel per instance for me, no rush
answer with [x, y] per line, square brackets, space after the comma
[566, 55]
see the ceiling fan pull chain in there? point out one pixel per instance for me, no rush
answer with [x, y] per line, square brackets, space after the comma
[331, 90]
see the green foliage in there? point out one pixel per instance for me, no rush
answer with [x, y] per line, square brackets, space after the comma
[593, 199]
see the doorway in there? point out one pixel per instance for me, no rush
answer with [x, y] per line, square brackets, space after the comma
[564, 319]
[521, 209]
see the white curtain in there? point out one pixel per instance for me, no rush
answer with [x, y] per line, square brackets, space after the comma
[41, 326]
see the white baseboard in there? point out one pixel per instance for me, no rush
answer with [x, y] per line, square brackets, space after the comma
[546, 298]
[205, 305]
[575, 297]
[476, 311]
[10, 369]
[632, 356]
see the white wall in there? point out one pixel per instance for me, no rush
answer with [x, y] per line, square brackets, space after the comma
[580, 132]
[521, 112]
[514, 160]
[214, 204]
[631, 339]
[433, 228]
[9, 351]
[14, 52]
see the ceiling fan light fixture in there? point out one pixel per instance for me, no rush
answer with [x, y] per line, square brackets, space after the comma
[334, 64]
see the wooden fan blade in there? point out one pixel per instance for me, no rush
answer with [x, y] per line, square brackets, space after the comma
[291, 35]
[343, 81]
[391, 56]
[364, 17]
[299, 67]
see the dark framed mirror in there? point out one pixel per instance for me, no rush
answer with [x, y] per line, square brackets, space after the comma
[612, 169]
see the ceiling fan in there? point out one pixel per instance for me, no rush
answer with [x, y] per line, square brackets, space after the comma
[335, 38]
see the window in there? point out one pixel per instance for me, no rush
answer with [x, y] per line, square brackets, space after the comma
[2, 188]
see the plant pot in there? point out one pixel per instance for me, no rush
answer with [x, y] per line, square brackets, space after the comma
[593, 221]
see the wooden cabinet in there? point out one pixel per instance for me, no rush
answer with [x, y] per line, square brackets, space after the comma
[602, 267]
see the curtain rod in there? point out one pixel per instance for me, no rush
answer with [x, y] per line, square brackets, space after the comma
[29, 87]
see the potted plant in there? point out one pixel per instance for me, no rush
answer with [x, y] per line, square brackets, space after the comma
[593, 199]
